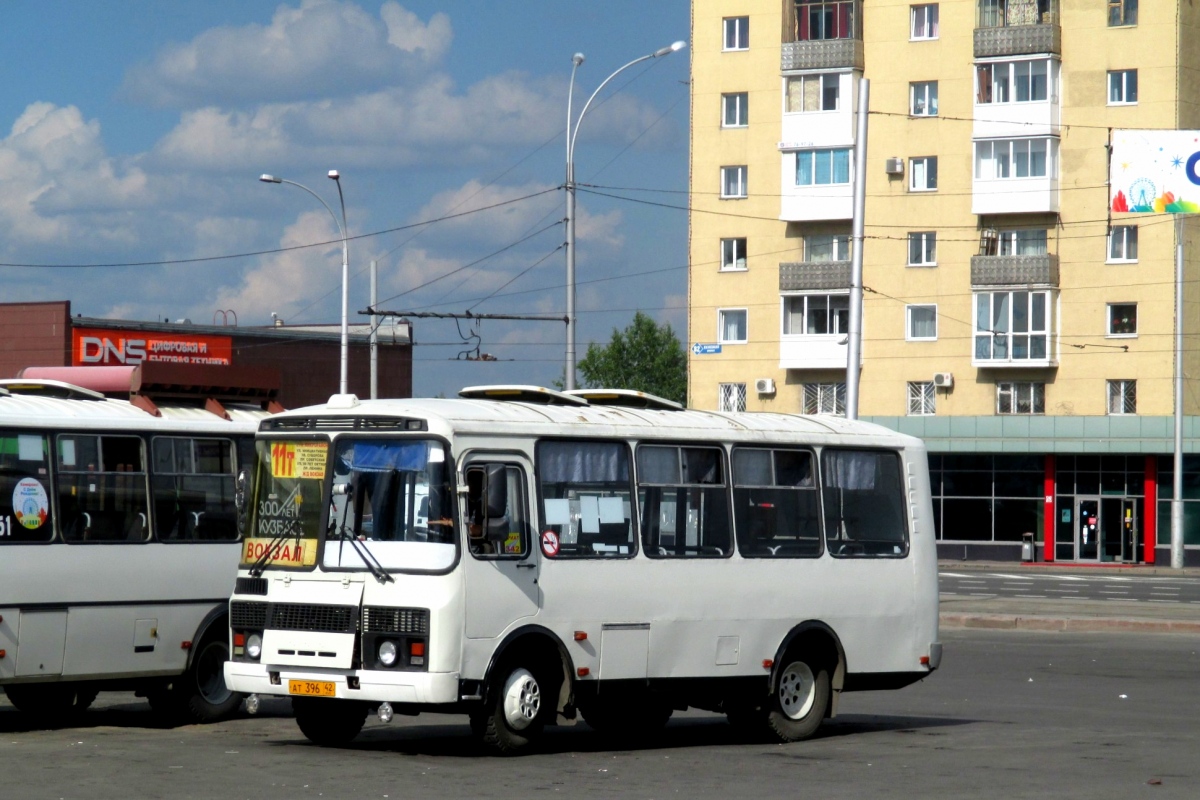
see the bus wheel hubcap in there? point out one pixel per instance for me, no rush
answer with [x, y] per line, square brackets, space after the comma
[797, 690]
[522, 699]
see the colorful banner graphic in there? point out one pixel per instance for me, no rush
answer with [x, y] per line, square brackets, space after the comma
[1155, 172]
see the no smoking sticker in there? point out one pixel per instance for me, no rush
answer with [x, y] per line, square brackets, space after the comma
[550, 543]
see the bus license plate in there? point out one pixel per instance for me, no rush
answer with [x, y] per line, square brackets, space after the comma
[313, 688]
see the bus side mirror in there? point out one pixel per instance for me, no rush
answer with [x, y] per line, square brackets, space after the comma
[239, 499]
[496, 507]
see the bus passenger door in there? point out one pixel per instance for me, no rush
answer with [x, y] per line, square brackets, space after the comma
[501, 562]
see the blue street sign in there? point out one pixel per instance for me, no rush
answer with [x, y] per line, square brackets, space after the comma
[699, 349]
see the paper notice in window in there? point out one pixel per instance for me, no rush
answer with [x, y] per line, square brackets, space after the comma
[589, 514]
[29, 448]
[558, 512]
[612, 511]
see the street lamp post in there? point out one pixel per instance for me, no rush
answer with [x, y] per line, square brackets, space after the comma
[572, 133]
[336, 177]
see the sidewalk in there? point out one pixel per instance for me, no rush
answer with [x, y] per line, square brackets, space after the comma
[1077, 615]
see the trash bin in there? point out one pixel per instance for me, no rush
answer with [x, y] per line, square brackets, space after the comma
[1028, 550]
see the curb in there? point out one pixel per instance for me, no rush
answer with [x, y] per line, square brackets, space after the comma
[1072, 624]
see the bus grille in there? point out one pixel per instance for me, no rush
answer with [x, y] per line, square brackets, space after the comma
[246, 615]
[250, 586]
[309, 617]
[377, 619]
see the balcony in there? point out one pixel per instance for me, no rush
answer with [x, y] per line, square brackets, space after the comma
[812, 202]
[815, 314]
[798, 276]
[1016, 176]
[1017, 27]
[1012, 327]
[822, 34]
[1015, 196]
[987, 271]
[822, 54]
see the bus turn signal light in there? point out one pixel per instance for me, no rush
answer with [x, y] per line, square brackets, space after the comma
[583, 672]
[924, 661]
[239, 639]
[187, 645]
[418, 649]
[3, 653]
[580, 636]
[768, 663]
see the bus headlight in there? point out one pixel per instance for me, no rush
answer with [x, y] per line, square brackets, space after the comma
[387, 653]
[253, 646]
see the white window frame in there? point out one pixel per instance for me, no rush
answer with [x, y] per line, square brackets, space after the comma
[838, 246]
[926, 242]
[825, 80]
[741, 175]
[810, 302]
[922, 399]
[739, 103]
[927, 93]
[821, 396]
[1124, 237]
[1011, 153]
[925, 162]
[909, 335]
[927, 14]
[733, 253]
[739, 27]
[1122, 83]
[1003, 78]
[999, 334]
[731, 397]
[1017, 391]
[721, 327]
[1110, 318]
[1122, 397]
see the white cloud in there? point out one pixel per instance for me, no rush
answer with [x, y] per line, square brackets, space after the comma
[308, 51]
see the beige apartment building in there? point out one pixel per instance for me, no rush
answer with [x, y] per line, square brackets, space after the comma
[1010, 318]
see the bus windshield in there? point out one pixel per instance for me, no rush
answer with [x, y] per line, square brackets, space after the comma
[285, 503]
[392, 496]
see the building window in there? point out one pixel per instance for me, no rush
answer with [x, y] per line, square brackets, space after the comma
[924, 22]
[922, 174]
[1014, 81]
[822, 167]
[1012, 326]
[1122, 12]
[1003, 13]
[922, 249]
[823, 247]
[923, 99]
[734, 110]
[1122, 87]
[1122, 397]
[733, 255]
[922, 399]
[731, 325]
[816, 314]
[1020, 398]
[1002, 159]
[1020, 243]
[1122, 244]
[816, 20]
[1122, 319]
[813, 92]
[737, 33]
[731, 397]
[922, 323]
[825, 398]
[733, 182]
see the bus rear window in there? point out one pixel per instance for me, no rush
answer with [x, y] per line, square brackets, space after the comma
[864, 503]
[24, 488]
[585, 499]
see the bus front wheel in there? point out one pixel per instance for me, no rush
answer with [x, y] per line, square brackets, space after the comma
[521, 701]
[799, 700]
[329, 723]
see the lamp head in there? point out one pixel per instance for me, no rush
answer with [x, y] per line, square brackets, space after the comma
[334, 174]
[265, 178]
[671, 48]
[577, 59]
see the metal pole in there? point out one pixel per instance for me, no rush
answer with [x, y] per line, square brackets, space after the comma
[343, 382]
[569, 366]
[374, 330]
[1177, 477]
[854, 355]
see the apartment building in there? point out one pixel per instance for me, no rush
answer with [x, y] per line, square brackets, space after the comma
[1011, 318]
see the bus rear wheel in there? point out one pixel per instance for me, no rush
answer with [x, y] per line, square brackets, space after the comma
[51, 699]
[329, 723]
[200, 694]
[522, 699]
[799, 700]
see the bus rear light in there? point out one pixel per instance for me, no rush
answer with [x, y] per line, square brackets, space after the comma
[583, 672]
[768, 663]
[580, 636]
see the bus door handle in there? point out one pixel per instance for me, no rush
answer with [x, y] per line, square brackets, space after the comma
[526, 565]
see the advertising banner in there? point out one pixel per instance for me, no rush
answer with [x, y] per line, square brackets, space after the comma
[92, 347]
[1155, 171]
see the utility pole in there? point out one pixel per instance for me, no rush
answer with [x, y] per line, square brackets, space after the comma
[1177, 477]
[854, 354]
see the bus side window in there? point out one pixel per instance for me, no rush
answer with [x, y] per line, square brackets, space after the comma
[685, 510]
[584, 488]
[498, 533]
[775, 503]
[864, 500]
[102, 489]
[24, 488]
[193, 485]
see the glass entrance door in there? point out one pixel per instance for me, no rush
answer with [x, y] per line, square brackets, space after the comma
[1087, 528]
[1112, 529]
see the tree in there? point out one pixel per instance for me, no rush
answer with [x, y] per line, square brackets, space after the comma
[645, 356]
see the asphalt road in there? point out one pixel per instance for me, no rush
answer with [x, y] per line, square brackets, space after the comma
[1040, 584]
[1011, 714]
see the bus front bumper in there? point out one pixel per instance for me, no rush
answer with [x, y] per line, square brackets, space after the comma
[373, 685]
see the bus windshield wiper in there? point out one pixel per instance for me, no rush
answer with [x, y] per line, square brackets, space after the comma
[344, 534]
[260, 564]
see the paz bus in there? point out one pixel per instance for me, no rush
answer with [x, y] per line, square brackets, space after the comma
[119, 544]
[603, 554]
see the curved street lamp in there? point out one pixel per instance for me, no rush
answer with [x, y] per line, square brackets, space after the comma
[335, 176]
[572, 133]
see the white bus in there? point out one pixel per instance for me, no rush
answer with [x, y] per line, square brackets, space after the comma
[119, 545]
[599, 552]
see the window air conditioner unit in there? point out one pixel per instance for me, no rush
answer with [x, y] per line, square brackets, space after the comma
[894, 166]
[943, 380]
[764, 385]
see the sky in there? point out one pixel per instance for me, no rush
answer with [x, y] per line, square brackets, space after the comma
[133, 133]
